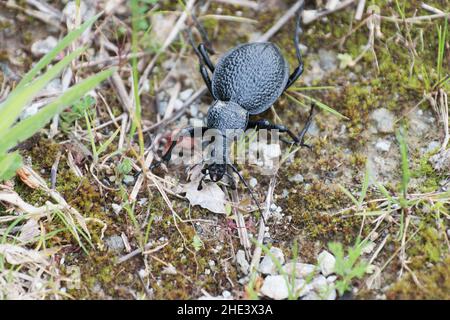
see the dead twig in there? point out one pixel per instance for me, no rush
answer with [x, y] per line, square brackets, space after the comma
[262, 227]
[139, 250]
[243, 3]
[281, 22]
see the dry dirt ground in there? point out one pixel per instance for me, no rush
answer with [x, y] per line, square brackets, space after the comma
[353, 217]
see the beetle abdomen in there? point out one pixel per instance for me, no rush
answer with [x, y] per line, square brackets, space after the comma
[253, 75]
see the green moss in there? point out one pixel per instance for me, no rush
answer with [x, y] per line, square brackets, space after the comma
[434, 284]
[428, 176]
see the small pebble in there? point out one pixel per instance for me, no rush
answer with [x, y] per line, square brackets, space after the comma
[384, 120]
[328, 60]
[433, 145]
[186, 94]
[331, 279]
[326, 262]
[253, 182]
[115, 243]
[170, 269]
[298, 178]
[275, 287]
[242, 262]
[301, 270]
[267, 265]
[42, 47]
[116, 208]
[383, 145]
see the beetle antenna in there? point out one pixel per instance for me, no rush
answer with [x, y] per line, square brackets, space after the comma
[249, 189]
[203, 34]
[200, 186]
[192, 43]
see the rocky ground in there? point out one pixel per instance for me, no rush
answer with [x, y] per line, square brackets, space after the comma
[362, 215]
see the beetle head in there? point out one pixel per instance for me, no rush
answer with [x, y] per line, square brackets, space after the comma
[216, 171]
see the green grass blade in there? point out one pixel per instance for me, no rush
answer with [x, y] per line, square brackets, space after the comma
[64, 43]
[18, 99]
[312, 88]
[91, 136]
[384, 191]
[318, 103]
[9, 163]
[373, 213]
[26, 128]
[136, 119]
[404, 162]
[104, 146]
[442, 37]
[365, 186]
[348, 194]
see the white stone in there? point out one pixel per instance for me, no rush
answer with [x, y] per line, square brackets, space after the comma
[328, 60]
[323, 288]
[42, 47]
[319, 282]
[115, 243]
[267, 265]
[331, 279]
[128, 180]
[301, 287]
[270, 151]
[330, 294]
[186, 94]
[433, 145]
[331, 4]
[384, 120]
[309, 15]
[242, 262]
[383, 145]
[301, 270]
[116, 208]
[196, 122]
[297, 178]
[312, 295]
[275, 287]
[253, 182]
[441, 161]
[170, 269]
[326, 262]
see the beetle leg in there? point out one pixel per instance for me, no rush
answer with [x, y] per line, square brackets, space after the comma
[266, 124]
[306, 127]
[206, 78]
[205, 56]
[202, 52]
[166, 157]
[200, 184]
[299, 70]
[203, 34]
[234, 169]
[299, 140]
[294, 76]
[232, 182]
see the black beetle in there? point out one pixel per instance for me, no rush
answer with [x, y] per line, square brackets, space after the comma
[246, 81]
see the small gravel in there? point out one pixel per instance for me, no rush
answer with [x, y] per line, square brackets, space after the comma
[326, 262]
[115, 243]
[267, 265]
[384, 120]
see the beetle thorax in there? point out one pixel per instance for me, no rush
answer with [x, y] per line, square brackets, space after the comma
[224, 115]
